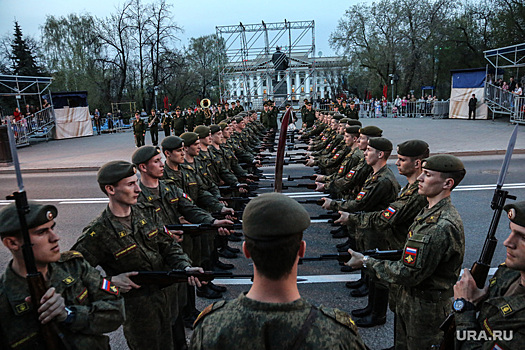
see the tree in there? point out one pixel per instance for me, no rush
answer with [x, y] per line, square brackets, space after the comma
[24, 63]
[205, 53]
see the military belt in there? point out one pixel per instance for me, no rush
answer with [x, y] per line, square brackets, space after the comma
[431, 295]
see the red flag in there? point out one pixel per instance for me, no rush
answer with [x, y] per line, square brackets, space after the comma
[385, 90]
[166, 102]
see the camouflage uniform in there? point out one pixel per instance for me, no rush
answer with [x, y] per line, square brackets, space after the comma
[430, 267]
[107, 243]
[139, 129]
[499, 312]
[249, 324]
[97, 305]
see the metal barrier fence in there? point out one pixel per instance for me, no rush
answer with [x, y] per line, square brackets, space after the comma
[109, 125]
[39, 123]
[519, 110]
[418, 109]
[503, 98]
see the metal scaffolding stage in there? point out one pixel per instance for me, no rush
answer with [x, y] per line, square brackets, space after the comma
[249, 73]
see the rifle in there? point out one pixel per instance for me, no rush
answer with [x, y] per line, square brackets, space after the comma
[220, 216]
[197, 229]
[167, 278]
[52, 336]
[345, 257]
[236, 199]
[312, 201]
[480, 269]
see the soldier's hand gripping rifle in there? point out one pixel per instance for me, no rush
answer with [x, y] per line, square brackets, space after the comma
[480, 269]
[52, 336]
[167, 278]
[345, 257]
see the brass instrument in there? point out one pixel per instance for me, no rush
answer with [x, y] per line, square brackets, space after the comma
[206, 104]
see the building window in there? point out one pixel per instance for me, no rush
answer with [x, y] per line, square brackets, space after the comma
[293, 81]
[302, 80]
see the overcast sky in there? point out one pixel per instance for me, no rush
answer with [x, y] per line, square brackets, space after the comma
[195, 17]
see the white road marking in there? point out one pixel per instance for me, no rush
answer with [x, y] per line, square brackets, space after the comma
[104, 200]
[350, 277]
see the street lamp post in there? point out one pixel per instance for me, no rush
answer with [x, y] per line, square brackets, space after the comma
[156, 88]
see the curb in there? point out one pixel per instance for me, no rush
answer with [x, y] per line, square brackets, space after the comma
[92, 168]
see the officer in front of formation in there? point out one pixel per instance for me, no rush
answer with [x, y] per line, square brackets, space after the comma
[139, 130]
[501, 306]
[272, 315]
[431, 260]
[309, 116]
[82, 303]
[153, 124]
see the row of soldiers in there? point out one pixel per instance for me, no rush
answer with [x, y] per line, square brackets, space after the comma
[179, 121]
[131, 235]
[201, 170]
[419, 220]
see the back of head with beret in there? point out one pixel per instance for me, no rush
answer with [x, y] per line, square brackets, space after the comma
[189, 138]
[114, 171]
[272, 216]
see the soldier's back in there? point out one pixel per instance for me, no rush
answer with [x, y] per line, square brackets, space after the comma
[249, 324]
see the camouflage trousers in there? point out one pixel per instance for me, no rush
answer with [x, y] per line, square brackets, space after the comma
[418, 321]
[149, 320]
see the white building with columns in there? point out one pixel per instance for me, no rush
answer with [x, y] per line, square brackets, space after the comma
[256, 81]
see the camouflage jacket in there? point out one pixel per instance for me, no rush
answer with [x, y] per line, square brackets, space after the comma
[105, 242]
[351, 159]
[244, 323]
[231, 161]
[172, 202]
[379, 190]
[498, 312]
[347, 185]
[432, 255]
[219, 158]
[187, 179]
[398, 216]
[97, 304]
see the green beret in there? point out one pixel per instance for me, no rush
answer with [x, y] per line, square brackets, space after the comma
[214, 128]
[143, 154]
[171, 143]
[189, 138]
[412, 148]
[344, 120]
[39, 214]
[516, 213]
[352, 122]
[239, 119]
[223, 125]
[444, 163]
[114, 171]
[380, 144]
[202, 131]
[338, 116]
[272, 216]
[354, 129]
[372, 131]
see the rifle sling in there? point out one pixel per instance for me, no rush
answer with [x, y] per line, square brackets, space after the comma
[303, 332]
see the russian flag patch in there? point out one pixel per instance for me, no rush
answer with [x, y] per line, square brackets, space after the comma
[108, 287]
[360, 195]
[336, 156]
[410, 255]
[350, 174]
[388, 213]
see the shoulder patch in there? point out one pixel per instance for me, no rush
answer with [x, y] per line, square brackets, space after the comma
[71, 254]
[432, 219]
[340, 317]
[209, 309]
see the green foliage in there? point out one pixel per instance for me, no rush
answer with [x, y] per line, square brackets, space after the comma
[24, 62]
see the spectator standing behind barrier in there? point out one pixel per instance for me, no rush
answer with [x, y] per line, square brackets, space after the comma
[96, 119]
[109, 118]
[472, 103]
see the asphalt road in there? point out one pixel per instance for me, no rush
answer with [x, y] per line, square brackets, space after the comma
[79, 200]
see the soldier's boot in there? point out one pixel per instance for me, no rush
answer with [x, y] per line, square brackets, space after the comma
[356, 284]
[342, 233]
[347, 242]
[367, 310]
[361, 291]
[380, 306]
[208, 293]
[337, 230]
